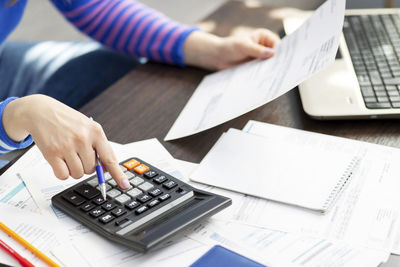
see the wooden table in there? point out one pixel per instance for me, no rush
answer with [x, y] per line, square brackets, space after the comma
[145, 103]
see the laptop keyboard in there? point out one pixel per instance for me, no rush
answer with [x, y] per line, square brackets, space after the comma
[374, 45]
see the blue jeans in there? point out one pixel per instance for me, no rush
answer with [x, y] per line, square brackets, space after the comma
[71, 72]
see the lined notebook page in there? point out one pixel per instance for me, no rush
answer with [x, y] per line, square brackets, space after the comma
[295, 173]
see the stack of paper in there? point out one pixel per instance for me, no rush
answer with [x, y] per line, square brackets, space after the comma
[366, 215]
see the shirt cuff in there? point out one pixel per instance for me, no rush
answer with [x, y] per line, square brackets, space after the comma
[179, 57]
[6, 144]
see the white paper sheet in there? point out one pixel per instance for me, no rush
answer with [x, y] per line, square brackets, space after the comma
[228, 94]
[266, 245]
[14, 193]
[39, 230]
[276, 248]
[99, 252]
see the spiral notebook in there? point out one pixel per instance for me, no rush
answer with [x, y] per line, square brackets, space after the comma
[306, 174]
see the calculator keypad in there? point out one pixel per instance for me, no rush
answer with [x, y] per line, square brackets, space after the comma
[150, 189]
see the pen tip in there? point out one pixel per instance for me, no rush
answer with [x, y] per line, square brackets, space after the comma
[103, 191]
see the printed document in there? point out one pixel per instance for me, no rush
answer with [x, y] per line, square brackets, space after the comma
[39, 230]
[367, 213]
[230, 93]
[276, 248]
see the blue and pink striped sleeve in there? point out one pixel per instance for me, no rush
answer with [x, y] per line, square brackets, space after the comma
[6, 144]
[129, 27]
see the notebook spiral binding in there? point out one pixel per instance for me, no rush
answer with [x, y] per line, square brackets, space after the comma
[348, 173]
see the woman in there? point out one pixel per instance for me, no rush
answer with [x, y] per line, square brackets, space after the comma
[44, 75]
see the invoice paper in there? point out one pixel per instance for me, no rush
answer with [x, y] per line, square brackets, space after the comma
[367, 213]
[39, 230]
[277, 248]
[228, 94]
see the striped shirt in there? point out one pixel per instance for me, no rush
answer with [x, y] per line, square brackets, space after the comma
[127, 26]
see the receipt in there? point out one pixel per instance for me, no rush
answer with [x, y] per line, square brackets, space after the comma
[230, 93]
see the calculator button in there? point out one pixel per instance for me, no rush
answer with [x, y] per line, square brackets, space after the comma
[93, 182]
[107, 176]
[134, 192]
[113, 183]
[164, 197]
[113, 193]
[132, 204]
[108, 206]
[88, 207]
[122, 199]
[136, 181]
[106, 218]
[143, 198]
[160, 179]
[153, 203]
[96, 212]
[74, 198]
[170, 184]
[129, 175]
[122, 168]
[155, 192]
[124, 222]
[131, 164]
[108, 187]
[150, 174]
[141, 169]
[118, 212]
[141, 210]
[99, 200]
[146, 186]
[87, 191]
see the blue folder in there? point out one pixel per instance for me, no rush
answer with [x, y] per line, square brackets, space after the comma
[220, 256]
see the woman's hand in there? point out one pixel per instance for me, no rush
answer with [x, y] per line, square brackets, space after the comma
[66, 138]
[215, 53]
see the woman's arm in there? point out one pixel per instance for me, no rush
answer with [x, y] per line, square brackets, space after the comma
[66, 137]
[135, 29]
[129, 27]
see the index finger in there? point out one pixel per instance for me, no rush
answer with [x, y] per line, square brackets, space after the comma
[109, 161]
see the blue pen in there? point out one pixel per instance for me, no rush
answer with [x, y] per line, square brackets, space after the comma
[100, 177]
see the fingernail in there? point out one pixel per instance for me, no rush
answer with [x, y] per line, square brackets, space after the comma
[125, 184]
[268, 51]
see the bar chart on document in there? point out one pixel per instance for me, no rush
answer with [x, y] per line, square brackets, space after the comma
[230, 93]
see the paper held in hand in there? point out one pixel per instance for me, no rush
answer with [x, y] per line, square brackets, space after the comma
[230, 93]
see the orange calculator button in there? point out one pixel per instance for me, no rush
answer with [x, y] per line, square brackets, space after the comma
[131, 164]
[141, 169]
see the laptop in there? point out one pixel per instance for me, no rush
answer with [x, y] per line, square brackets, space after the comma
[364, 80]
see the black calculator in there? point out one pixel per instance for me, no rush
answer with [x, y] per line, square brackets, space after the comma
[157, 206]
